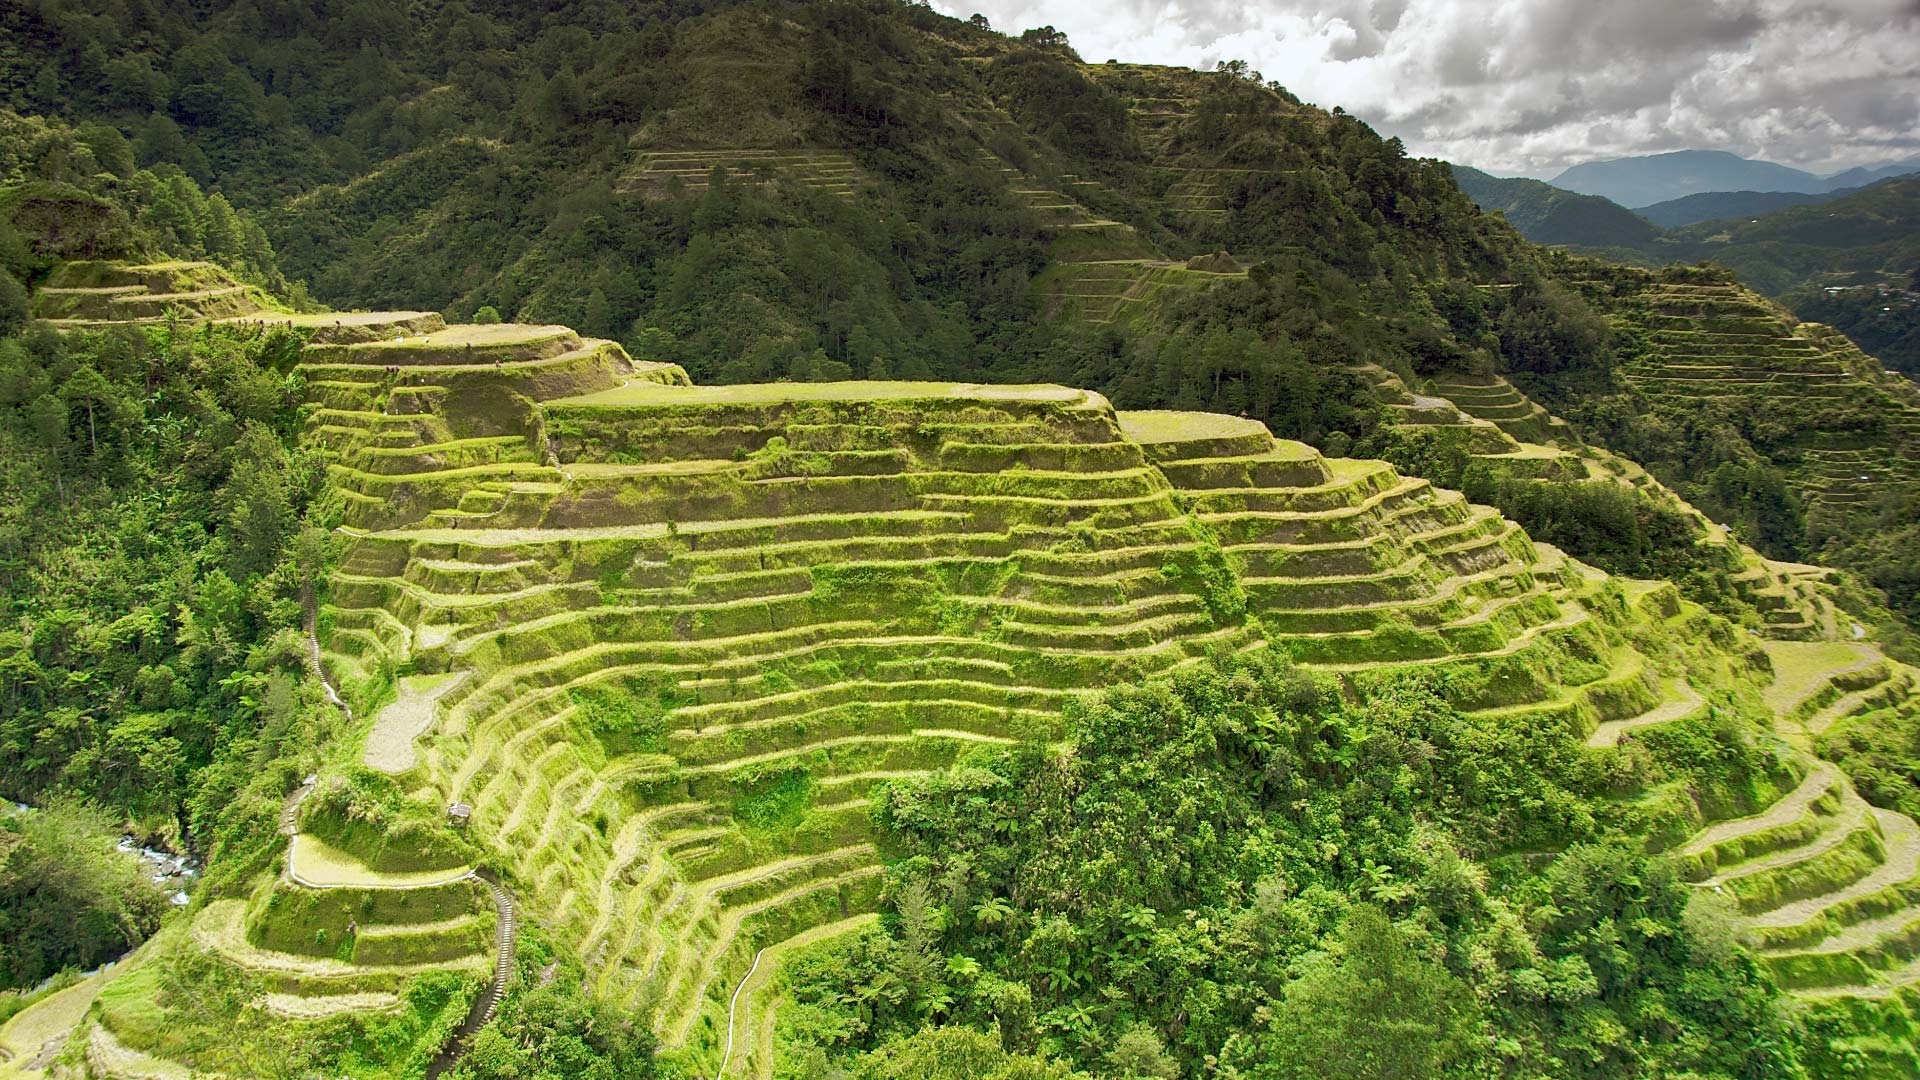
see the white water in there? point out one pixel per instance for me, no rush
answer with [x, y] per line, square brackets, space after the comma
[165, 869]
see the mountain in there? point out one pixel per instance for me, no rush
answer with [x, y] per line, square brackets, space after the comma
[1844, 258]
[1862, 175]
[1549, 215]
[1713, 205]
[1860, 237]
[1658, 178]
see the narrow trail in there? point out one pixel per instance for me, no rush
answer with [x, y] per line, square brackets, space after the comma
[733, 1003]
[506, 929]
[310, 618]
[506, 938]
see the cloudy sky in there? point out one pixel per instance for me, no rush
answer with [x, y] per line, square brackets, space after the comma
[1531, 86]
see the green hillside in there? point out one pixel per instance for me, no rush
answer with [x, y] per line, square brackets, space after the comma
[1862, 237]
[1549, 215]
[724, 671]
[869, 547]
[1719, 205]
[1829, 257]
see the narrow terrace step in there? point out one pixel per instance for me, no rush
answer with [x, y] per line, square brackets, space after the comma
[1680, 701]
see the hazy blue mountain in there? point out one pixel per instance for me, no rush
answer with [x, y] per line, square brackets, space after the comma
[1549, 215]
[1658, 178]
[1862, 175]
[1712, 205]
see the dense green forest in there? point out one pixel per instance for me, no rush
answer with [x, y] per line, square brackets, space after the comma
[505, 186]
[153, 498]
[1549, 215]
[1885, 320]
[1291, 889]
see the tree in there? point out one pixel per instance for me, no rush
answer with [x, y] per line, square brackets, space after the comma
[90, 390]
[957, 1053]
[1239, 69]
[1377, 1011]
[259, 502]
[68, 896]
[14, 308]
[1045, 37]
[554, 1031]
[1138, 1055]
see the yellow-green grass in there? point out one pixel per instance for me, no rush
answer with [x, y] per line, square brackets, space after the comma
[221, 928]
[36, 1034]
[313, 862]
[1169, 426]
[1801, 668]
[647, 393]
[389, 743]
[110, 1059]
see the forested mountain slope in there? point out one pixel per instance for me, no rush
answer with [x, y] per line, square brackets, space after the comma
[910, 555]
[1845, 258]
[1549, 215]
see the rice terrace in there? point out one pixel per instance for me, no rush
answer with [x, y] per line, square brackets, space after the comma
[782, 540]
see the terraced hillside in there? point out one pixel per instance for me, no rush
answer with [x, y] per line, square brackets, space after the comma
[1507, 432]
[83, 295]
[665, 669]
[1851, 428]
[663, 640]
[1102, 272]
[1825, 884]
[659, 172]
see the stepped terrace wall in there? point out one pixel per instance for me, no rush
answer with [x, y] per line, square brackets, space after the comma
[667, 636]
[1851, 426]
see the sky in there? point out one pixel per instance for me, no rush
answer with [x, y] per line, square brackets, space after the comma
[1528, 87]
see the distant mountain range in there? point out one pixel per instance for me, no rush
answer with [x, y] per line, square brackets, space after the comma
[1775, 241]
[1661, 178]
[1714, 205]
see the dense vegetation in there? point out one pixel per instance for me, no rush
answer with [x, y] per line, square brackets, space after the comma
[1864, 237]
[1845, 258]
[1885, 320]
[1549, 215]
[69, 898]
[1716, 205]
[154, 661]
[1235, 868]
[1239, 870]
[495, 174]
[152, 495]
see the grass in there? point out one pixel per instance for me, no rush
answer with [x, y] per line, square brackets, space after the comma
[1801, 667]
[41, 1029]
[645, 393]
[1168, 426]
[314, 861]
[858, 588]
[389, 744]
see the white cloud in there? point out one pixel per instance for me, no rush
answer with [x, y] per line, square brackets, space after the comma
[1531, 86]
